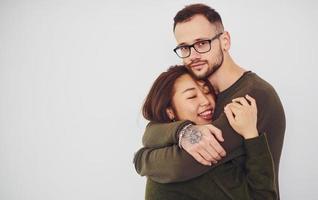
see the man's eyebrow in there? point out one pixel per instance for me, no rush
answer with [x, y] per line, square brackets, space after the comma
[196, 40]
[188, 89]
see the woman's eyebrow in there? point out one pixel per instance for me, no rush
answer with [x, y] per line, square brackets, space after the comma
[188, 89]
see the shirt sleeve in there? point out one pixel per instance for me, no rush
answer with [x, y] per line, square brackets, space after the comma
[160, 149]
[167, 164]
[162, 134]
[259, 168]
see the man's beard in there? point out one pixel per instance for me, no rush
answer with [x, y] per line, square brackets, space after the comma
[211, 69]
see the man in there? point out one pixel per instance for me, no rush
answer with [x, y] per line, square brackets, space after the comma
[204, 47]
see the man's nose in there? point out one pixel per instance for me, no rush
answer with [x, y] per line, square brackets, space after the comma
[194, 55]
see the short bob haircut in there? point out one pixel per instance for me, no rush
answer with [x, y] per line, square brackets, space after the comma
[160, 95]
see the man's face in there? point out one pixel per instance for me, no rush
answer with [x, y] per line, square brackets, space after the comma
[198, 28]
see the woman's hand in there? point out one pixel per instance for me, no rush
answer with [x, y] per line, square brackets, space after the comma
[242, 116]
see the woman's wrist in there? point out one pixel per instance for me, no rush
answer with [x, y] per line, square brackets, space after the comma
[251, 134]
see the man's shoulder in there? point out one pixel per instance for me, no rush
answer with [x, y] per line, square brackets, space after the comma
[255, 82]
[259, 88]
[263, 91]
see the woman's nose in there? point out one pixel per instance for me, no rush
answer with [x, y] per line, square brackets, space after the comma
[204, 101]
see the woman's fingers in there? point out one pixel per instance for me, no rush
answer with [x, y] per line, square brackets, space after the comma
[234, 107]
[252, 100]
[241, 100]
[229, 115]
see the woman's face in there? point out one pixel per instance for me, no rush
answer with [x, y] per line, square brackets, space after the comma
[192, 100]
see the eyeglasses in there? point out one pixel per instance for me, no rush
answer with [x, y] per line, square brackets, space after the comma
[201, 46]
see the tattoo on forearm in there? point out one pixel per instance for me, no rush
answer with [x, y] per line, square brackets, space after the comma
[192, 135]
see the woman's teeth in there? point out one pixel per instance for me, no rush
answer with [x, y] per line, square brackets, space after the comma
[206, 114]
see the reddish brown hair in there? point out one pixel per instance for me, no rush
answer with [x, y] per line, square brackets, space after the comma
[160, 95]
[198, 9]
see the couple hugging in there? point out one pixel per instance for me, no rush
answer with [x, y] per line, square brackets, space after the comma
[216, 130]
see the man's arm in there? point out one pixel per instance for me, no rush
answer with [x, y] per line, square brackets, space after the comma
[167, 164]
[172, 159]
[163, 134]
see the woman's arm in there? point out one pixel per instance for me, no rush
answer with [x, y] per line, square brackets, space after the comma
[259, 168]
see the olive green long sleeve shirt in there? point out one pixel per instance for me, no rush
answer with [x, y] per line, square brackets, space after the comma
[271, 119]
[244, 177]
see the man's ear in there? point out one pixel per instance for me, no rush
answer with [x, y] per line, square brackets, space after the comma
[170, 114]
[226, 41]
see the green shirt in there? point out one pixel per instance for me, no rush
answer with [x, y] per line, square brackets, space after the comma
[255, 180]
[164, 162]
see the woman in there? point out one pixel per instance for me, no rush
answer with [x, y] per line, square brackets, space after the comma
[175, 95]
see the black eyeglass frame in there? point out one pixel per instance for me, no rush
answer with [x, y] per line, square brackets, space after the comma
[192, 45]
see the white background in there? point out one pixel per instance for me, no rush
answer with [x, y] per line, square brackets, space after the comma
[74, 74]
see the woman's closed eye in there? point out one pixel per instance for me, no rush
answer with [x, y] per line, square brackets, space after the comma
[192, 96]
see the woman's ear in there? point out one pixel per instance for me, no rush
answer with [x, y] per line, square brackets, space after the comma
[170, 114]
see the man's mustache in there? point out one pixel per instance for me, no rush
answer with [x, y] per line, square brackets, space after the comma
[195, 62]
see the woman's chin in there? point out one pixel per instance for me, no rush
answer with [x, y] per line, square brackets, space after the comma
[202, 121]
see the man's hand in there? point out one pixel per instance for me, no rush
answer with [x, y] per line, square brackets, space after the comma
[202, 143]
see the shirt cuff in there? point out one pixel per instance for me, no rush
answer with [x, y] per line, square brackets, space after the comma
[181, 126]
[256, 146]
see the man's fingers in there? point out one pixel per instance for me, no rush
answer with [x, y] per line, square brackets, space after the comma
[217, 132]
[214, 155]
[200, 159]
[216, 146]
[202, 150]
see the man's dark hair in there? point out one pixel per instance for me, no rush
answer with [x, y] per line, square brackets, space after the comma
[199, 9]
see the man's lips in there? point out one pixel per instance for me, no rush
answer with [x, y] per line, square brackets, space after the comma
[197, 65]
[207, 114]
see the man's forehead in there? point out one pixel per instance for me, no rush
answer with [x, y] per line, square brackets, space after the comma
[198, 27]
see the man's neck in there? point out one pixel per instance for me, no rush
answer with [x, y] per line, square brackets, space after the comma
[226, 75]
